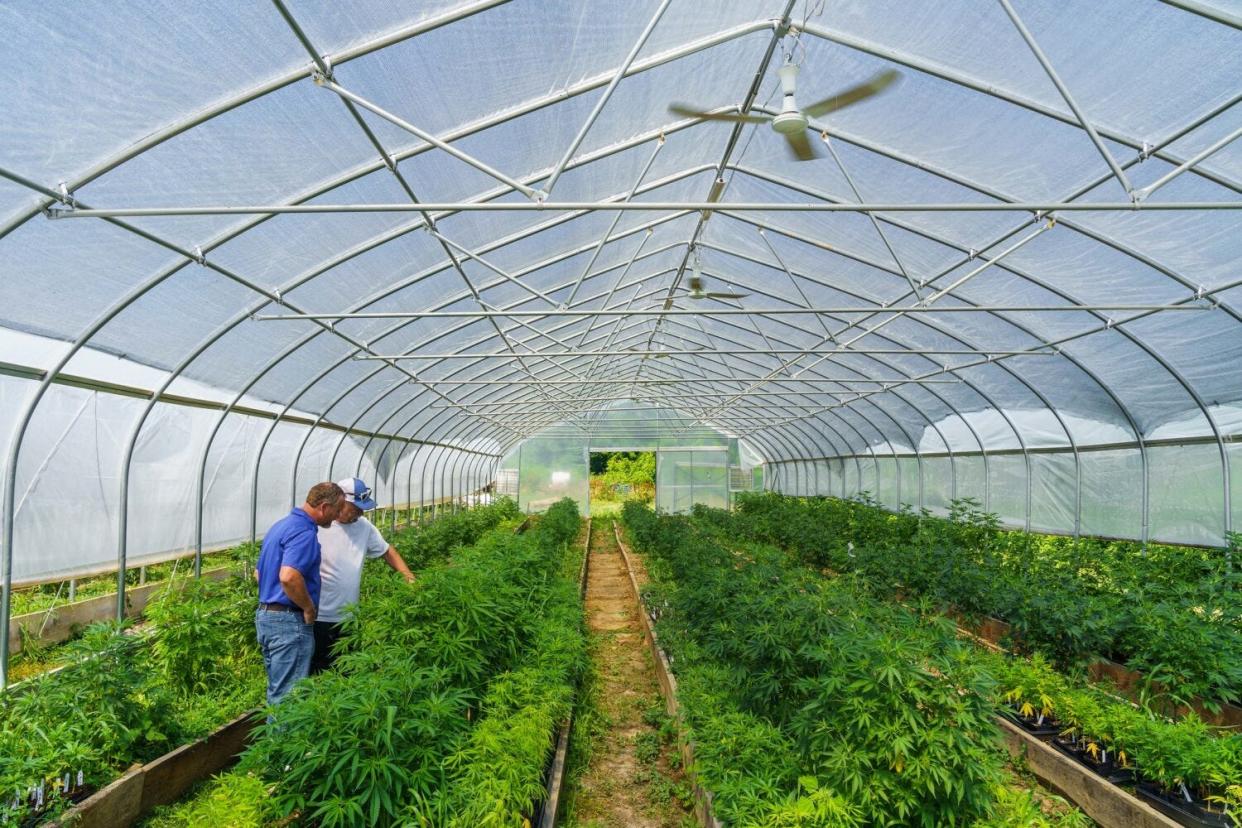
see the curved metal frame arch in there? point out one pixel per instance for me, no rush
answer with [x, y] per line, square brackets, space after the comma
[1125, 250]
[385, 40]
[1117, 401]
[900, 370]
[955, 336]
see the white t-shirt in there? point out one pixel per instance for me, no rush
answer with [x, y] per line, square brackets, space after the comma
[345, 546]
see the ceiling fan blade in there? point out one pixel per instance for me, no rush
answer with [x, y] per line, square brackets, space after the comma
[846, 97]
[686, 112]
[725, 295]
[800, 146]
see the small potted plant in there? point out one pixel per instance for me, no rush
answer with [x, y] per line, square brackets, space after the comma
[1095, 736]
[1031, 688]
[1186, 771]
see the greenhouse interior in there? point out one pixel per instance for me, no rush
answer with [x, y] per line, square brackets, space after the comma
[675, 413]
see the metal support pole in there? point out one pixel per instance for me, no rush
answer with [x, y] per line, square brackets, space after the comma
[326, 83]
[409, 487]
[437, 485]
[1065, 94]
[455, 475]
[470, 254]
[477, 481]
[435, 467]
[57, 214]
[1218, 15]
[708, 352]
[1144, 192]
[453, 485]
[621, 72]
[422, 487]
[446, 484]
[604, 239]
[393, 497]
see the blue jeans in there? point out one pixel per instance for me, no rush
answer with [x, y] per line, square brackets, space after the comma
[287, 643]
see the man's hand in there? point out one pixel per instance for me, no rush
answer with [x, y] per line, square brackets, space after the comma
[393, 558]
[294, 585]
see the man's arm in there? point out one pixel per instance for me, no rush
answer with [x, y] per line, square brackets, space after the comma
[393, 558]
[294, 586]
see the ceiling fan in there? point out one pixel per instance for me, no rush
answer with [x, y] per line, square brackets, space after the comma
[792, 121]
[695, 288]
[697, 291]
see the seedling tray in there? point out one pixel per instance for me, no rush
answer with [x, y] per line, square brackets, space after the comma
[1031, 724]
[1186, 813]
[1108, 770]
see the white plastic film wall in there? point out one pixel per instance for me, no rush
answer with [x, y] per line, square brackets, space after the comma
[69, 471]
[1099, 491]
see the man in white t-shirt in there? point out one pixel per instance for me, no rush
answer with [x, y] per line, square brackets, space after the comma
[346, 545]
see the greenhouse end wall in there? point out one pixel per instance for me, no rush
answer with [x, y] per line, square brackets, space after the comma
[699, 469]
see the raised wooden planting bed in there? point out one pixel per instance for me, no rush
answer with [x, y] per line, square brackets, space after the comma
[556, 771]
[161, 781]
[61, 623]
[668, 688]
[1128, 681]
[992, 631]
[1109, 805]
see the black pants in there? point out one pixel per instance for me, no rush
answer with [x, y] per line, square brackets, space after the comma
[326, 634]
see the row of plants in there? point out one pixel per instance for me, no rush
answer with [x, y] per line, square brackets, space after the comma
[419, 545]
[1174, 614]
[1183, 763]
[129, 697]
[442, 707]
[422, 545]
[43, 597]
[812, 703]
[39, 655]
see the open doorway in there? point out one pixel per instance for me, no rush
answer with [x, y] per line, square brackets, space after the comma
[619, 476]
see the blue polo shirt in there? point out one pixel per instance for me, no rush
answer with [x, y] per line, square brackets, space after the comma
[292, 541]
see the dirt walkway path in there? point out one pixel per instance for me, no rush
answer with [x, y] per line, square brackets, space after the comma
[628, 781]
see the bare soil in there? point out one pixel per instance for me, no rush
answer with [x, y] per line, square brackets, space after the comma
[617, 787]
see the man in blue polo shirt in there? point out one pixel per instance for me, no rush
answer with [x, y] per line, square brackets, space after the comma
[288, 572]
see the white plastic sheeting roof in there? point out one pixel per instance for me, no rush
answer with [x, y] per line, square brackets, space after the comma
[232, 107]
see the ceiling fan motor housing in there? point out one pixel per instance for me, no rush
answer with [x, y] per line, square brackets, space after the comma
[790, 119]
[789, 122]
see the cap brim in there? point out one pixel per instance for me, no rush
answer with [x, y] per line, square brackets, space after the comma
[365, 505]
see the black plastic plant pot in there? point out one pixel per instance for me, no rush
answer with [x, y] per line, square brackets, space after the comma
[1106, 768]
[1040, 726]
[1193, 814]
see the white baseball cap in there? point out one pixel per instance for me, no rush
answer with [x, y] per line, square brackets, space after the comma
[357, 493]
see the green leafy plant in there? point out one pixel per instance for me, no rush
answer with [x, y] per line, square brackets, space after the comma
[203, 633]
[442, 711]
[239, 800]
[128, 696]
[887, 713]
[1172, 613]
